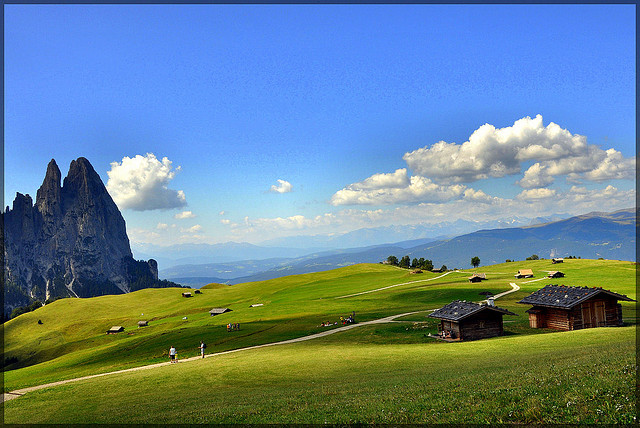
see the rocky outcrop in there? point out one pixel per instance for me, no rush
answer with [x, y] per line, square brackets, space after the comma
[71, 242]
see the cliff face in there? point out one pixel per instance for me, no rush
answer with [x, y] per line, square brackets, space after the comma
[71, 242]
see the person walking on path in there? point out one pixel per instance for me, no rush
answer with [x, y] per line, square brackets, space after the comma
[172, 354]
[202, 346]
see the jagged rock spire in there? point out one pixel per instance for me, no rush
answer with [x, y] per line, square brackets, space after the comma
[49, 198]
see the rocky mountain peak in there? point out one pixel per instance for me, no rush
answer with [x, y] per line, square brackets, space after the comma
[49, 195]
[72, 242]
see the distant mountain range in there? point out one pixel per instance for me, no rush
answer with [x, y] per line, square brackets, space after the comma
[299, 246]
[593, 235]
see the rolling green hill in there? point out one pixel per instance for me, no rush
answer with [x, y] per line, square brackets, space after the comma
[71, 342]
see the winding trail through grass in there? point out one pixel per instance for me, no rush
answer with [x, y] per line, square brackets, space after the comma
[396, 285]
[19, 392]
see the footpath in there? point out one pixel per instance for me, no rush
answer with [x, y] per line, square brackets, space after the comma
[19, 392]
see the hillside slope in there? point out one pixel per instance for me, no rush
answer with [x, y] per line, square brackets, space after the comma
[70, 340]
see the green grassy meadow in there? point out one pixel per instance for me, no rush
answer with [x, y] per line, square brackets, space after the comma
[384, 373]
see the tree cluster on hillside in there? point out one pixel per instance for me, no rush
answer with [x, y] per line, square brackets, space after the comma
[406, 262]
[533, 257]
[475, 261]
[24, 309]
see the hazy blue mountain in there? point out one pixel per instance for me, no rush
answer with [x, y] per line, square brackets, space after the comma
[593, 235]
[393, 234]
[299, 246]
[182, 254]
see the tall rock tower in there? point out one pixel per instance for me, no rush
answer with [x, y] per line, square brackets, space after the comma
[71, 243]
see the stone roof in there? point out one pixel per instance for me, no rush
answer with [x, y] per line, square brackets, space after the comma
[461, 309]
[562, 296]
[219, 310]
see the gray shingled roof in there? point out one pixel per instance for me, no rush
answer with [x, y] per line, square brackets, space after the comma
[461, 309]
[562, 296]
[219, 310]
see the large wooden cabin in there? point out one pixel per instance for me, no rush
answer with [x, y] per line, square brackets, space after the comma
[572, 308]
[462, 320]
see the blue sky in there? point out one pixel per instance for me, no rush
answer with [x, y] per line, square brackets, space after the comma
[344, 104]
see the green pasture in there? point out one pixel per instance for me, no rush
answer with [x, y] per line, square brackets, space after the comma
[585, 376]
[71, 341]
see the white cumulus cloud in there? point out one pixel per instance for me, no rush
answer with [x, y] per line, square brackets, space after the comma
[141, 183]
[283, 186]
[192, 229]
[536, 194]
[184, 214]
[394, 188]
[494, 152]
[536, 176]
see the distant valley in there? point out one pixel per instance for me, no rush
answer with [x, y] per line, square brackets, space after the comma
[593, 235]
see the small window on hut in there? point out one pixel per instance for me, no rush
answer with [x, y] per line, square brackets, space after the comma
[481, 324]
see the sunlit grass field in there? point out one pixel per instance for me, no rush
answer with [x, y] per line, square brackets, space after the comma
[357, 371]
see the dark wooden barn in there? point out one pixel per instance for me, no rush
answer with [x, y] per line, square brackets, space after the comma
[557, 260]
[186, 294]
[462, 320]
[143, 323]
[573, 308]
[555, 274]
[115, 329]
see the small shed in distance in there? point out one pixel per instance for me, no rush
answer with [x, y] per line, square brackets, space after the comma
[557, 260]
[464, 320]
[524, 273]
[143, 323]
[555, 274]
[477, 277]
[573, 308]
[115, 329]
[198, 292]
[218, 311]
[186, 294]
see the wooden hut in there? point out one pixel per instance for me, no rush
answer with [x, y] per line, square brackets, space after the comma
[555, 274]
[218, 311]
[187, 294]
[198, 292]
[115, 329]
[462, 320]
[572, 308]
[557, 260]
[524, 273]
[477, 277]
[143, 323]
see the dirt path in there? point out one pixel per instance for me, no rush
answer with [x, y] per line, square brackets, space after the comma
[19, 392]
[396, 285]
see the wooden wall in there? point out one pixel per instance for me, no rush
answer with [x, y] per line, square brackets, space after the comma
[485, 324]
[596, 312]
[451, 326]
